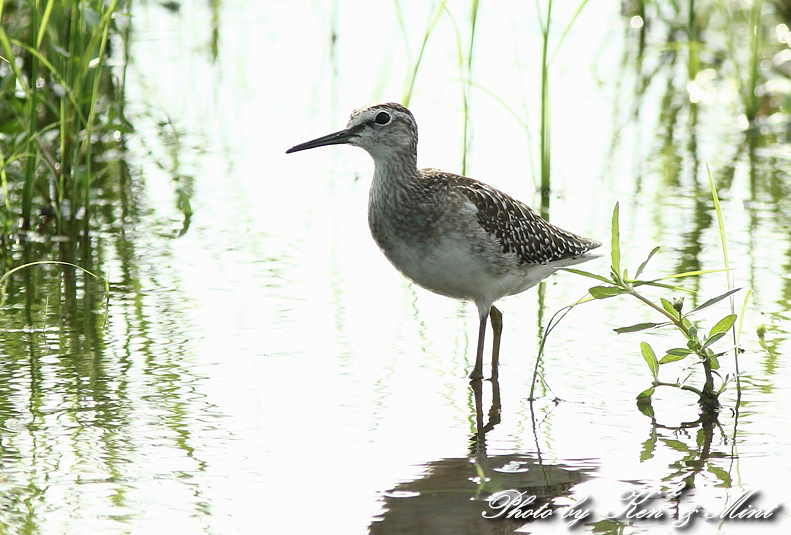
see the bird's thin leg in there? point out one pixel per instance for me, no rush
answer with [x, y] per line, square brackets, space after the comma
[477, 371]
[497, 327]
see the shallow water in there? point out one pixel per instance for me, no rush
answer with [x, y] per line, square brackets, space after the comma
[269, 371]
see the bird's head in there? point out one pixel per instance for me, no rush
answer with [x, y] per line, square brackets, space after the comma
[381, 129]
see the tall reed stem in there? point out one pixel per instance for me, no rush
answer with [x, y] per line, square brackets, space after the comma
[544, 132]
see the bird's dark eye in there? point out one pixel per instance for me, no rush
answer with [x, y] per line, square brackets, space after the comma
[382, 118]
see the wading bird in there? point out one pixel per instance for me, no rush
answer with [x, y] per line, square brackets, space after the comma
[447, 233]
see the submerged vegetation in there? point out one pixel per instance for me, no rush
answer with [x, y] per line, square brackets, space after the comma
[69, 201]
[67, 192]
[62, 126]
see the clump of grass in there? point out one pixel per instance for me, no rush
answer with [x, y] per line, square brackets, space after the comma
[59, 106]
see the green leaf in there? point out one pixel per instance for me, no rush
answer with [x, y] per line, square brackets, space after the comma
[723, 325]
[713, 300]
[693, 333]
[673, 357]
[668, 306]
[715, 362]
[642, 266]
[681, 351]
[649, 445]
[603, 292]
[638, 327]
[646, 394]
[700, 438]
[587, 274]
[676, 445]
[644, 406]
[616, 242]
[721, 474]
[713, 338]
[650, 358]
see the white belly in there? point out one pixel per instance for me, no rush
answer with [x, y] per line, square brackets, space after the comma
[450, 268]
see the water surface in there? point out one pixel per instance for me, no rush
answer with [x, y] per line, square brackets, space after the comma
[260, 367]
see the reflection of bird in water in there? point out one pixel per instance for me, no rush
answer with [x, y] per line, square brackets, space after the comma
[451, 497]
[451, 234]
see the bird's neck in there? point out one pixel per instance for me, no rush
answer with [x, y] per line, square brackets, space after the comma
[395, 171]
[395, 196]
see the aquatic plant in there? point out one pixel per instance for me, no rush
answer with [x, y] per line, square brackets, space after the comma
[61, 106]
[697, 341]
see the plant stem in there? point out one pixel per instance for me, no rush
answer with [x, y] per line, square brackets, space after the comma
[467, 87]
[544, 135]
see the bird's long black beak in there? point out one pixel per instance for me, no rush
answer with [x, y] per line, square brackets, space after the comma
[331, 139]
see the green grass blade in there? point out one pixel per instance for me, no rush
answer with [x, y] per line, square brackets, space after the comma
[58, 76]
[410, 86]
[87, 144]
[44, 21]
[10, 58]
[721, 225]
[750, 115]
[39, 262]
[741, 316]
[544, 125]
[689, 274]
[566, 30]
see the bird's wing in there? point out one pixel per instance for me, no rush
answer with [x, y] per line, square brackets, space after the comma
[518, 228]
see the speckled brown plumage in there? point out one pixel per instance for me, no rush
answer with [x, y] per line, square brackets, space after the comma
[517, 227]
